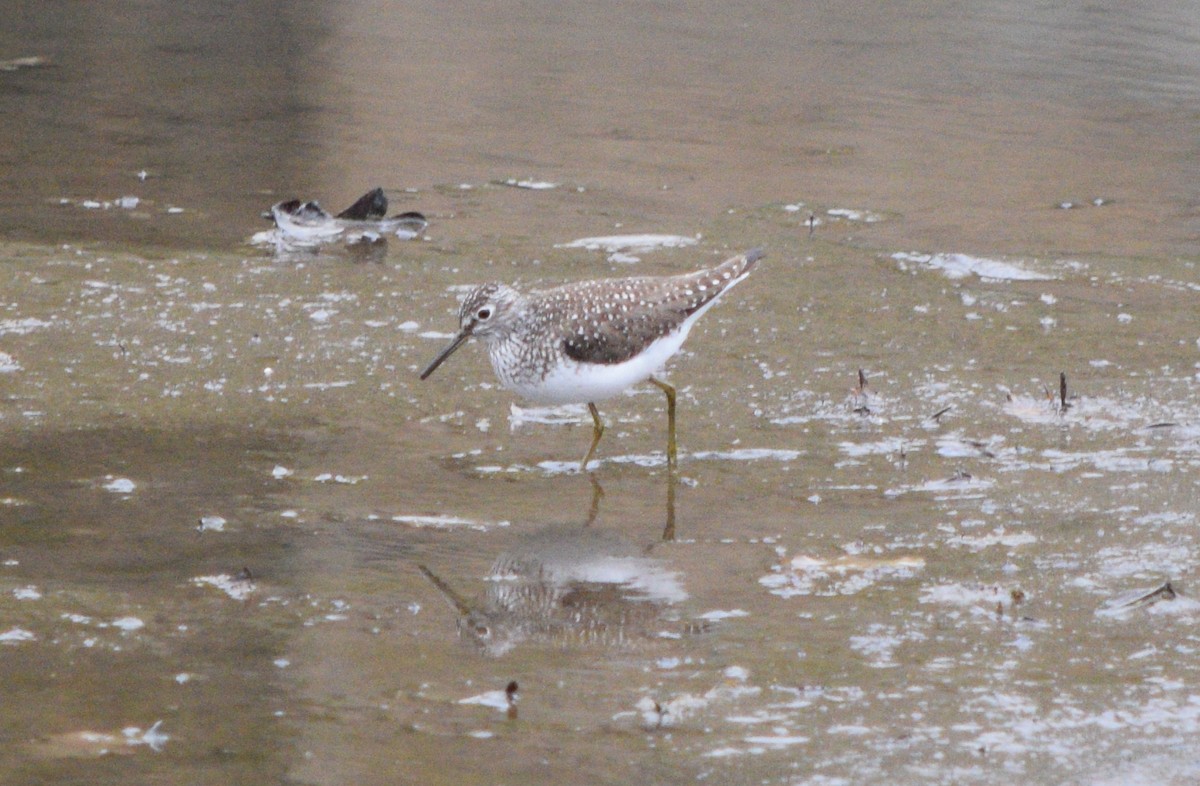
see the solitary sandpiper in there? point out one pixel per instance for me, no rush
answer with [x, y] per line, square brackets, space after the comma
[585, 342]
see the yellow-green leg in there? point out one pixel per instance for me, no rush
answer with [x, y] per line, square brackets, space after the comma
[597, 495]
[670, 391]
[669, 529]
[597, 433]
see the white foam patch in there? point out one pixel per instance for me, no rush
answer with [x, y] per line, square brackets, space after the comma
[955, 445]
[212, 524]
[27, 593]
[878, 645]
[844, 575]
[882, 447]
[670, 713]
[957, 266]
[556, 467]
[342, 383]
[531, 185]
[850, 214]
[622, 248]
[1116, 460]
[967, 595]
[1033, 410]
[1017, 725]
[16, 636]
[120, 486]
[747, 454]
[1095, 413]
[1151, 771]
[761, 716]
[348, 480]
[997, 538]
[556, 416]
[21, 327]
[496, 699]
[128, 624]
[236, 588]
[778, 741]
[948, 488]
[448, 522]
[151, 737]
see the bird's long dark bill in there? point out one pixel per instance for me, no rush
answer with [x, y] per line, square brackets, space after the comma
[457, 342]
[455, 599]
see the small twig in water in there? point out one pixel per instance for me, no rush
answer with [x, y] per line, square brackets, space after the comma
[658, 708]
[982, 448]
[510, 693]
[860, 395]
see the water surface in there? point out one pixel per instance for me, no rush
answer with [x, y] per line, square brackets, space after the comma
[241, 541]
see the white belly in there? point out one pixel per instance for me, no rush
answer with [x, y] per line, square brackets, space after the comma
[572, 382]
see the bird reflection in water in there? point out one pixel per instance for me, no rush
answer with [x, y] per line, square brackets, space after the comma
[668, 533]
[572, 587]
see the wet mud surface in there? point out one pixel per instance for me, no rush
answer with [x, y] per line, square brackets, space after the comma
[935, 519]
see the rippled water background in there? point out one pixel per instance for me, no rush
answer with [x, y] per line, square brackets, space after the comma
[241, 542]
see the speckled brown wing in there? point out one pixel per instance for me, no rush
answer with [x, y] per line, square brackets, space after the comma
[609, 322]
[623, 334]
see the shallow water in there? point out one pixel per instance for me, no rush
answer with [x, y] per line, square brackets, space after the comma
[241, 541]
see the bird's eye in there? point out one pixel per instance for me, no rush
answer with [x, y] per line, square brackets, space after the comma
[483, 314]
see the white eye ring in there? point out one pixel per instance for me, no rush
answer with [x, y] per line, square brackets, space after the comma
[483, 314]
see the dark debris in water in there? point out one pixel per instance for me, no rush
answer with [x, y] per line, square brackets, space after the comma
[1139, 599]
[307, 224]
